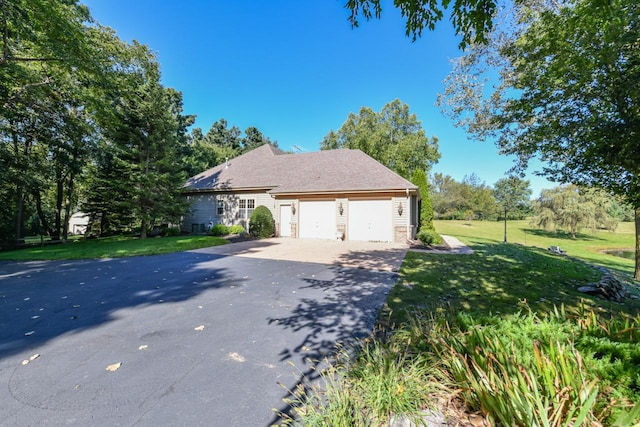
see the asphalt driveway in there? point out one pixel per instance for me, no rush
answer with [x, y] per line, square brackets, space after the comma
[211, 337]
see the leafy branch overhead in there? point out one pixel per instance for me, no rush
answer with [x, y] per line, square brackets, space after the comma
[471, 19]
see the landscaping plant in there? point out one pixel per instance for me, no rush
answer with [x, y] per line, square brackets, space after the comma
[261, 223]
[219, 230]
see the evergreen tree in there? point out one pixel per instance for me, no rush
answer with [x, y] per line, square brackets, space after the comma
[425, 222]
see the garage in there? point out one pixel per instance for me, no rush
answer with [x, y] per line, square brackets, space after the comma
[317, 219]
[370, 220]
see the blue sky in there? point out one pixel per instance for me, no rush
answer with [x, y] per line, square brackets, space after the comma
[296, 68]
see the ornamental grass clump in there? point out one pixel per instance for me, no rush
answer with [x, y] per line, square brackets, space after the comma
[368, 389]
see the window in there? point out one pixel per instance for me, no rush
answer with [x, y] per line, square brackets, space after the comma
[246, 208]
[220, 209]
[251, 205]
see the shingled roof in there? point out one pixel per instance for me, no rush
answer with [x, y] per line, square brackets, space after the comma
[269, 168]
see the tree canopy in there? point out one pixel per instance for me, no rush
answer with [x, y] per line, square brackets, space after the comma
[511, 193]
[573, 208]
[394, 137]
[471, 19]
[567, 94]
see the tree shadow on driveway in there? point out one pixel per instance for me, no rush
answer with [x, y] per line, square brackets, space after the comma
[339, 311]
[42, 300]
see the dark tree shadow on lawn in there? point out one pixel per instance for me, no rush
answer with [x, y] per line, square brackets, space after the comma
[559, 234]
[497, 279]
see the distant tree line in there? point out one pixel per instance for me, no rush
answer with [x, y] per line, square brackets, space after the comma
[86, 124]
[565, 207]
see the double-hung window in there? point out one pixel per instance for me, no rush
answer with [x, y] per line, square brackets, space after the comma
[220, 208]
[246, 208]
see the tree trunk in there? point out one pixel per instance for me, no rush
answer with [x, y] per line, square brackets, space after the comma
[41, 215]
[57, 228]
[67, 207]
[19, 224]
[637, 271]
[143, 229]
[505, 224]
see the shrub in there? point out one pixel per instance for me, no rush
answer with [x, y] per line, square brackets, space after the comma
[219, 230]
[261, 223]
[171, 231]
[236, 229]
[429, 237]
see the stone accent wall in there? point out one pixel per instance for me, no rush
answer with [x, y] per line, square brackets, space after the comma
[294, 229]
[342, 228]
[400, 234]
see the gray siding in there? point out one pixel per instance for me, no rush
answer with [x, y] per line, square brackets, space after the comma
[204, 209]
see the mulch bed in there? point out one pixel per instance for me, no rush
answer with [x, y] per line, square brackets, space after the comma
[235, 238]
[417, 244]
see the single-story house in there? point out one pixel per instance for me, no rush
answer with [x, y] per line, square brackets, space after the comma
[332, 194]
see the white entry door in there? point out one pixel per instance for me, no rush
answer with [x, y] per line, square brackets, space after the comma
[285, 220]
[370, 220]
[317, 219]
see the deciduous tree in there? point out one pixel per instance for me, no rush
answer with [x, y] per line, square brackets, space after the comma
[568, 93]
[511, 193]
[394, 137]
[571, 208]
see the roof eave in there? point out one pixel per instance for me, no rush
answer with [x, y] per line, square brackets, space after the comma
[227, 189]
[348, 190]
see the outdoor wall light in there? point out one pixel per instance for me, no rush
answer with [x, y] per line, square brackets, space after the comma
[340, 209]
[400, 210]
[293, 208]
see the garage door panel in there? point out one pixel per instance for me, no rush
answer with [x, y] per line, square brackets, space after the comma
[317, 219]
[370, 220]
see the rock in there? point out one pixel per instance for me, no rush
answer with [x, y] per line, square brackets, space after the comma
[591, 290]
[427, 418]
[609, 287]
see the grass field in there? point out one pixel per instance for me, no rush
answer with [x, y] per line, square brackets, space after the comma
[586, 246]
[112, 247]
[505, 279]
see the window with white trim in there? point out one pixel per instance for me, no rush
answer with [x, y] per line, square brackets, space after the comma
[246, 207]
[220, 209]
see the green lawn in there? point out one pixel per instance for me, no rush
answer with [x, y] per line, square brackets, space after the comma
[587, 246]
[504, 279]
[113, 247]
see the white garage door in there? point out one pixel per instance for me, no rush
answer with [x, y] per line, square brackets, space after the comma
[370, 220]
[318, 220]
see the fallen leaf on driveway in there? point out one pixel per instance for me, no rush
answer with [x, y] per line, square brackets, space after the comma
[114, 367]
[30, 359]
[235, 357]
[143, 347]
[199, 328]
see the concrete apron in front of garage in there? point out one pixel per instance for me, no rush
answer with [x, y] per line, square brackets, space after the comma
[369, 255]
[192, 338]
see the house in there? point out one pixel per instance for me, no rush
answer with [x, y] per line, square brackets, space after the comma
[343, 194]
[78, 223]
